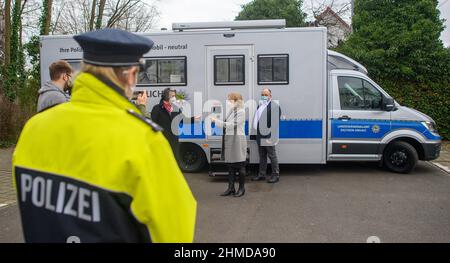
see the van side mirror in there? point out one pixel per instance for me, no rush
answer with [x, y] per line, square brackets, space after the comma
[388, 104]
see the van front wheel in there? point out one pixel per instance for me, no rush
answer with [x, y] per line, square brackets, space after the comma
[192, 158]
[400, 157]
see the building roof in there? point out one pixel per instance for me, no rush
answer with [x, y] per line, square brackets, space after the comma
[329, 11]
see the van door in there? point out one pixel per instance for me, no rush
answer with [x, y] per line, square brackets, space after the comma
[228, 69]
[358, 122]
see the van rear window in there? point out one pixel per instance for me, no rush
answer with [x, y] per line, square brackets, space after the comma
[273, 69]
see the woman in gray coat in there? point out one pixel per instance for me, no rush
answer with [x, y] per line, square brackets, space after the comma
[234, 143]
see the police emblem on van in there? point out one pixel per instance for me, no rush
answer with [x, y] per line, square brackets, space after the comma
[375, 128]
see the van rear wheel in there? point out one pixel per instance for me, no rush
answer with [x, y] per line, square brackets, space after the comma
[192, 158]
[400, 157]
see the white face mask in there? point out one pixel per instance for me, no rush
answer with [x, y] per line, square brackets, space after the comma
[172, 100]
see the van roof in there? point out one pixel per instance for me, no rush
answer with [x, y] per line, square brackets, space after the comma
[340, 61]
[209, 31]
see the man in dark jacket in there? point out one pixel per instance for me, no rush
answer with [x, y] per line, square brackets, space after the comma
[54, 92]
[164, 113]
[267, 123]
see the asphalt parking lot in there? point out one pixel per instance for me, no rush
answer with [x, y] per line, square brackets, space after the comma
[340, 202]
[334, 203]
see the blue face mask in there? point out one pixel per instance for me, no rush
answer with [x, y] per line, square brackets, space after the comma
[264, 98]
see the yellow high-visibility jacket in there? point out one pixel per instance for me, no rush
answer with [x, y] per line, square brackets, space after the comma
[95, 170]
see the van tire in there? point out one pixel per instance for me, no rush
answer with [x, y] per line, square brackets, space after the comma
[192, 158]
[400, 157]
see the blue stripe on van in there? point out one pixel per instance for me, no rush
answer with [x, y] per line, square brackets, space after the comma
[374, 129]
[301, 129]
[289, 129]
[414, 125]
[312, 129]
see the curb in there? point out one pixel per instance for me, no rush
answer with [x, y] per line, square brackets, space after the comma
[6, 204]
[441, 167]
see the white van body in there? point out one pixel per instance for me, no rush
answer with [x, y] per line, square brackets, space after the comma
[308, 81]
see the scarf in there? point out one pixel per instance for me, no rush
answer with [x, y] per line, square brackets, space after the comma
[167, 106]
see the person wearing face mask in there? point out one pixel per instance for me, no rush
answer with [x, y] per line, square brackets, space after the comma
[266, 122]
[234, 143]
[94, 169]
[57, 90]
[167, 111]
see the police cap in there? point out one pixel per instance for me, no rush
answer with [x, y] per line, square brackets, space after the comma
[113, 47]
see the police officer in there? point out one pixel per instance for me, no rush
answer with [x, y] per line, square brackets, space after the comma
[94, 169]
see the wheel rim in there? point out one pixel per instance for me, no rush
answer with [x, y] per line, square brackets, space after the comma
[189, 158]
[399, 158]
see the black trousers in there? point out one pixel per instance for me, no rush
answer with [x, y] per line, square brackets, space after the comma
[175, 145]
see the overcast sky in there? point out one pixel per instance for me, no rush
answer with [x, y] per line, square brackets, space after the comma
[226, 10]
[445, 13]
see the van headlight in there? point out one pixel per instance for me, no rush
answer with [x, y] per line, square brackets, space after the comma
[431, 126]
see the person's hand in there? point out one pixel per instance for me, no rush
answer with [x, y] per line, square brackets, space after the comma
[197, 118]
[141, 99]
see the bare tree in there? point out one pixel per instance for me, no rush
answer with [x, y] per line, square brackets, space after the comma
[21, 12]
[72, 17]
[2, 34]
[76, 16]
[341, 8]
[91, 21]
[119, 9]
[7, 32]
[31, 14]
[101, 10]
[136, 16]
[47, 17]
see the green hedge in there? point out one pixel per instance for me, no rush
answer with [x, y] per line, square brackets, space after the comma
[399, 43]
[432, 99]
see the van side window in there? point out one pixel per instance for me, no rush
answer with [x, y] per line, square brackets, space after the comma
[163, 71]
[358, 94]
[229, 70]
[273, 69]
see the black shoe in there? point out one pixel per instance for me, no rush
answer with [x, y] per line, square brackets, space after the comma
[274, 179]
[229, 191]
[240, 192]
[258, 178]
